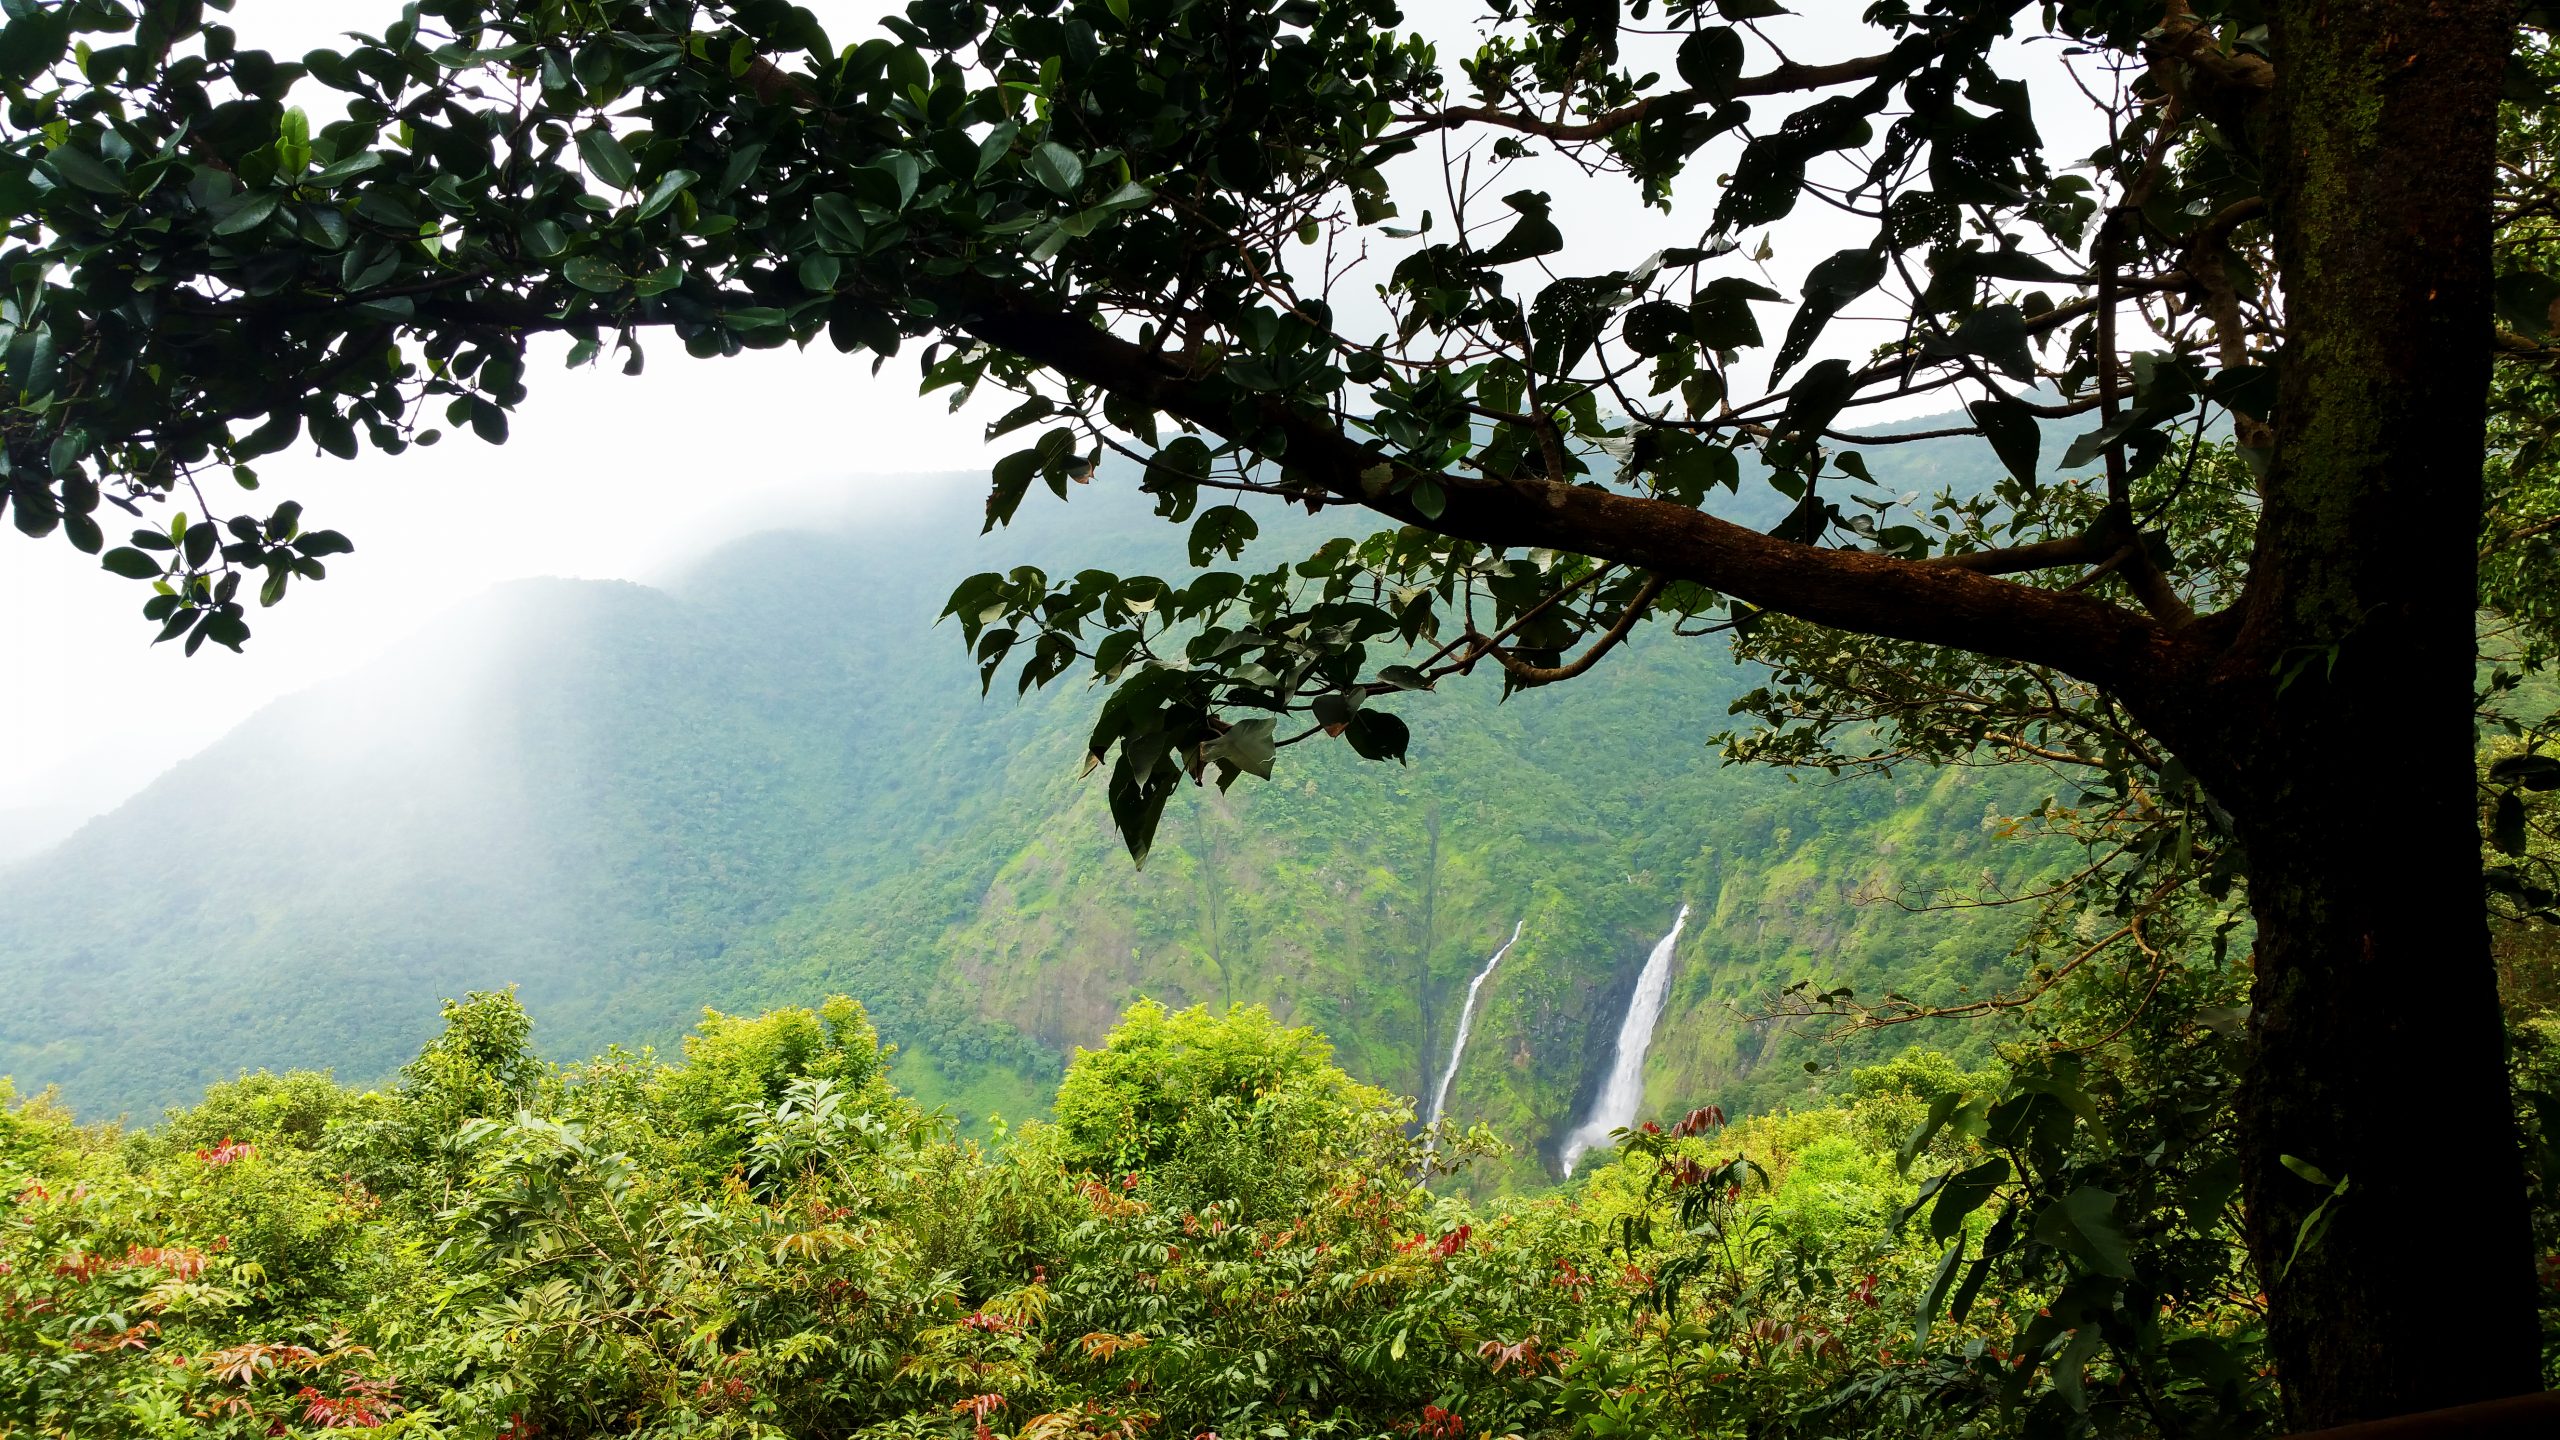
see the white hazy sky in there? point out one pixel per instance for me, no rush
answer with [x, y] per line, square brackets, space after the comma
[604, 477]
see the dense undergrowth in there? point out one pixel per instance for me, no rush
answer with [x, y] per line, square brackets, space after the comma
[1219, 1233]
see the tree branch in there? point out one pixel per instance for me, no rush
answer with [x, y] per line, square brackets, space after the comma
[2083, 549]
[1940, 604]
[1528, 677]
[1785, 79]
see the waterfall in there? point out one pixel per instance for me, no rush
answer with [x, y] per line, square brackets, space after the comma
[1466, 1021]
[1623, 1093]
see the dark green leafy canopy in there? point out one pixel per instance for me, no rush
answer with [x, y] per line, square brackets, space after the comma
[201, 276]
[1134, 214]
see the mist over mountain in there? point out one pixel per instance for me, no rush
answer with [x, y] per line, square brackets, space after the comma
[773, 778]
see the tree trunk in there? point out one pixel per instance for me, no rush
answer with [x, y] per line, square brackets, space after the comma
[2341, 735]
[2379, 1061]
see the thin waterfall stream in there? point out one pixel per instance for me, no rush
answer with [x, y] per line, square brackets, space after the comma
[1466, 1022]
[1623, 1092]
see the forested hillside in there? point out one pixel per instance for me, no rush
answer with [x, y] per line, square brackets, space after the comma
[773, 776]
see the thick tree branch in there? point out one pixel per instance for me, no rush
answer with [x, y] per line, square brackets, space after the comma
[1872, 594]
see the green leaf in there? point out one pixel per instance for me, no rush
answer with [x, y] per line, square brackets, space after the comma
[1654, 327]
[1961, 1304]
[250, 213]
[1721, 315]
[1221, 529]
[2248, 389]
[338, 172]
[901, 173]
[1009, 481]
[2090, 446]
[545, 240]
[1252, 372]
[1828, 289]
[1711, 61]
[1965, 1193]
[2083, 1223]
[593, 272]
[2075, 1100]
[1127, 197]
[280, 431]
[839, 221]
[1137, 806]
[2533, 772]
[1998, 333]
[992, 148]
[1174, 473]
[1568, 316]
[853, 326]
[1936, 1295]
[335, 434]
[2070, 1368]
[606, 157]
[2506, 826]
[1029, 412]
[819, 271]
[130, 563]
[1377, 735]
[85, 170]
[2011, 428]
[1531, 236]
[1248, 745]
[1941, 1107]
[293, 146]
[488, 421]
[1819, 396]
[1055, 167]
[2316, 1223]
[664, 193]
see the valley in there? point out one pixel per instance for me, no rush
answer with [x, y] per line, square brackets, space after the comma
[772, 778]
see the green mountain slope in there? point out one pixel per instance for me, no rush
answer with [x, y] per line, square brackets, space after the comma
[774, 779]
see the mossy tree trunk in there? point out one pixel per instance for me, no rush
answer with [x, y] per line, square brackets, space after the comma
[2337, 726]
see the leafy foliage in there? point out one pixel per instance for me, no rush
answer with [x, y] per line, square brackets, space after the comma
[1137, 218]
[212, 276]
[573, 1254]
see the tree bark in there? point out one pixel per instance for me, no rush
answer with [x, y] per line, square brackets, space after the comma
[2338, 730]
[2379, 1060]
